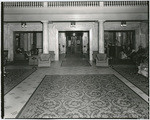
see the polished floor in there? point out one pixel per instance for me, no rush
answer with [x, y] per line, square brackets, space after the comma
[18, 96]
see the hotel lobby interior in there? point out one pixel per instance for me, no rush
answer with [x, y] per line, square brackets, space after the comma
[75, 59]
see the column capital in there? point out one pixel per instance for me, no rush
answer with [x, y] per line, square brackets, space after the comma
[50, 22]
[44, 21]
[101, 21]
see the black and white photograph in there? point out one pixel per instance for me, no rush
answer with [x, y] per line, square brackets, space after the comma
[81, 59]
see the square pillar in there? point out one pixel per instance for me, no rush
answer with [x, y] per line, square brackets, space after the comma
[101, 36]
[45, 37]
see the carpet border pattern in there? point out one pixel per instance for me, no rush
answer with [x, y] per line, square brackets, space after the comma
[23, 77]
[131, 80]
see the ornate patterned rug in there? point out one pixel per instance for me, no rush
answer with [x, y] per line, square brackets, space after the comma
[14, 77]
[84, 96]
[129, 72]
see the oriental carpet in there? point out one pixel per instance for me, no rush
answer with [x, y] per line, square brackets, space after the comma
[84, 96]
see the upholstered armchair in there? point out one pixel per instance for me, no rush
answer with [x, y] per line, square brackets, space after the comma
[143, 68]
[101, 59]
[44, 60]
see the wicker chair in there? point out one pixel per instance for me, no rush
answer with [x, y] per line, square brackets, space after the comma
[44, 60]
[101, 60]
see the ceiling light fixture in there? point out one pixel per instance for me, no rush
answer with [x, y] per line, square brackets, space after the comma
[123, 24]
[23, 24]
[73, 24]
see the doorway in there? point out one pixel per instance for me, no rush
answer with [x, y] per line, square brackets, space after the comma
[74, 48]
[118, 41]
[74, 44]
[26, 42]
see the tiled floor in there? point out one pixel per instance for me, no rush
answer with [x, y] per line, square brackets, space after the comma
[17, 97]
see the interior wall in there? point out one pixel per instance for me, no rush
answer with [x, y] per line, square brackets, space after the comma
[8, 41]
[85, 43]
[6, 36]
[144, 40]
[62, 42]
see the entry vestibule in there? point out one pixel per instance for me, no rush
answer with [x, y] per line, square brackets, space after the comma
[74, 42]
[56, 28]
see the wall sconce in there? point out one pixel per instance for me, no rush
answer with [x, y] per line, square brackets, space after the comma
[73, 24]
[23, 24]
[123, 24]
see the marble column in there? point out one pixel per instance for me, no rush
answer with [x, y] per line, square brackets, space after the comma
[45, 37]
[101, 37]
